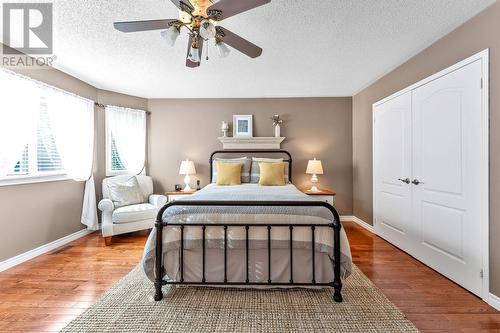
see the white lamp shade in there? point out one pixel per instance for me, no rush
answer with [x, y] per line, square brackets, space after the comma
[170, 35]
[314, 167]
[187, 168]
[207, 30]
[194, 54]
[223, 49]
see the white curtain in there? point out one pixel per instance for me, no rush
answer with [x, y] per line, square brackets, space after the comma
[128, 127]
[72, 121]
[19, 109]
[89, 208]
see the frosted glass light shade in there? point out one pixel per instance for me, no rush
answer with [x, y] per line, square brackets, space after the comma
[194, 54]
[187, 168]
[314, 167]
[222, 49]
[207, 30]
[170, 35]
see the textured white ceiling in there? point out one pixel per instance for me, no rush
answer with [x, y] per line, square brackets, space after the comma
[311, 48]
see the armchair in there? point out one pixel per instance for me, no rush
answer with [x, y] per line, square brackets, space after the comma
[131, 218]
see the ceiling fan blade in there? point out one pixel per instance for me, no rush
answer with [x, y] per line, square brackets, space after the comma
[189, 63]
[183, 5]
[227, 8]
[133, 26]
[239, 43]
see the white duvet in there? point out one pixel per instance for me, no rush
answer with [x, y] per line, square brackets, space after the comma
[302, 245]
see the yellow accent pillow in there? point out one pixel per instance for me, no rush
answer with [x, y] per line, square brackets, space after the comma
[272, 174]
[229, 173]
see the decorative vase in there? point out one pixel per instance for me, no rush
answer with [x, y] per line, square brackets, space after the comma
[224, 128]
[277, 131]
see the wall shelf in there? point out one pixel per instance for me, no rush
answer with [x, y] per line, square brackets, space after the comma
[251, 143]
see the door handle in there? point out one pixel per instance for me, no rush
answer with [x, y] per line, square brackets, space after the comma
[416, 182]
[406, 180]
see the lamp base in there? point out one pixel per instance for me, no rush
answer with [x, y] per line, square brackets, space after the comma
[187, 181]
[188, 189]
[313, 189]
[314, 182]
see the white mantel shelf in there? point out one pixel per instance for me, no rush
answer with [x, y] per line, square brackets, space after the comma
[251, 143]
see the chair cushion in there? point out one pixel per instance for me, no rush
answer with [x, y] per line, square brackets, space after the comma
[145, 182]
[125, 193]
[134, 213]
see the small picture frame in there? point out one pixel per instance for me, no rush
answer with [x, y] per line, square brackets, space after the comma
[243, 126]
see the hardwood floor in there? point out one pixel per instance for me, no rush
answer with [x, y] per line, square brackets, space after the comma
[44, 294]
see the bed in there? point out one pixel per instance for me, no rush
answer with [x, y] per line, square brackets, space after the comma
[248, 235]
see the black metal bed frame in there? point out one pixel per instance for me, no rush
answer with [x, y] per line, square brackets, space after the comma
[335, 225]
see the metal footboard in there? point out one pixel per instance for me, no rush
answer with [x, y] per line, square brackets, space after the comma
[159, 225]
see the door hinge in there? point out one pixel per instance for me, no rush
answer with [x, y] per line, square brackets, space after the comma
[481, 273]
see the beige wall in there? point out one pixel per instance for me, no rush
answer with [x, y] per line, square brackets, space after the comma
[32, 215]
[478, 34]
[313, 127]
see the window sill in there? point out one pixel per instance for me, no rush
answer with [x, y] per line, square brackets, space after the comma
[118, 173]
[20, 180]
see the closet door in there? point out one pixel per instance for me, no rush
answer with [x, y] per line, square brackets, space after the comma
[447, 148]
[392, 170]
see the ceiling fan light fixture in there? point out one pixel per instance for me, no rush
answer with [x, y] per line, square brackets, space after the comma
[207, 30]
[222, 49]
[201, 18]
[194, 53]
[170, 35]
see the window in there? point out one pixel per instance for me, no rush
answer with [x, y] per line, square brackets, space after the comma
[40, 157]
[125, 140]
[45, 133]
[116, 163]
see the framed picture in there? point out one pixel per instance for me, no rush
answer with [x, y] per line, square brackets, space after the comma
[242, 125]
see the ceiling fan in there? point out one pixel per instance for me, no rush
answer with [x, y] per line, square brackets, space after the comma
[201, 17]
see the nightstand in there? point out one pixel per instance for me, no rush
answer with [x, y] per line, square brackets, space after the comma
[174, 195]
[323, 195]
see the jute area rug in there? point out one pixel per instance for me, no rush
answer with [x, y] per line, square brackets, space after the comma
[128, 307]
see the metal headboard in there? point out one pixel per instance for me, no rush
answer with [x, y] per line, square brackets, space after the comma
[246, 151]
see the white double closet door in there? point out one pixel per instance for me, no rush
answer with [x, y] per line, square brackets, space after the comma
[428, 199]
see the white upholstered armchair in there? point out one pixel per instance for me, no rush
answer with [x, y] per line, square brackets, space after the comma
[130, 218]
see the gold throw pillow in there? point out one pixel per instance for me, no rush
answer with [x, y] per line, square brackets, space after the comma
[229, 173]
[272, 174]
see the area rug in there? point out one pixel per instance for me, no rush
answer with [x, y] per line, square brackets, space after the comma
[128, 307]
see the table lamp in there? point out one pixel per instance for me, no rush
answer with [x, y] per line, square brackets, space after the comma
[187, 168]
[314, 168]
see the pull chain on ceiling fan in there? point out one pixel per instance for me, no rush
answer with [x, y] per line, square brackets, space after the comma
[200, 17]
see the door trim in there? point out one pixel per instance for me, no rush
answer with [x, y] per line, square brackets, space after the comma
[484, 215]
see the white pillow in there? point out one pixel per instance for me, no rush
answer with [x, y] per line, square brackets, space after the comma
[125, 194]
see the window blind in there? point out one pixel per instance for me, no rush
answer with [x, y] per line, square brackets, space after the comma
[40, 155]
[48, 158]
[116, 162]
[36, 120]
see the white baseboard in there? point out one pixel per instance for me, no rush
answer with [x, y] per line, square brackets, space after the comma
[358, 221]
[19, 259]
[494, 301]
